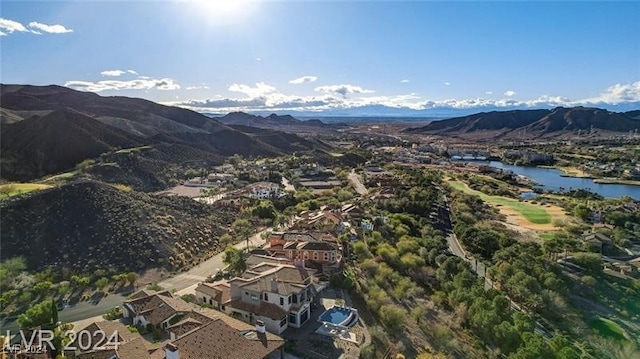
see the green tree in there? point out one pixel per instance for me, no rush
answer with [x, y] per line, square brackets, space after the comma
[235, 259]
[42, 288]
[592, 262]
[132, 277]
[534, 347]
[392, 316]
[225, 240]
[243, 229]
[38, 315]
[507, 337]
[264, 210]
[581, 211]
[101, 283]
[54, 312]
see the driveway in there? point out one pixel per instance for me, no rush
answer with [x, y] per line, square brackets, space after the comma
[357, 183]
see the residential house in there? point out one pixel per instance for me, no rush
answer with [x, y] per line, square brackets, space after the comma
[193, 332]
[117, 343]
[264, 190]
[597, 241]
[158, 309]
[278, 295]
[321, 248]
[325, 220]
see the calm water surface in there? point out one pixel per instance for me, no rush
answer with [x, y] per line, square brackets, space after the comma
[550, 178]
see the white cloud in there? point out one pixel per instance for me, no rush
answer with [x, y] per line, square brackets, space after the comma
[405, 81]
[489, 93]
[617, 93]
[261, 89]
[264, 97]
[51, 29]
[303, 80]
[343, 89]
[447, 83]
[137, 84]
[509, 93]
[132, 72]
[9, 26]
[113, 73]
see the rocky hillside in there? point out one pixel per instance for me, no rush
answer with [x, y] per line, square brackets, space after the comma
[56, 142]
[533, 123]
[87, 225]
[49, 129]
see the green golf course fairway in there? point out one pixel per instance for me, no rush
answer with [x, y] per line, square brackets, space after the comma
[532, 213]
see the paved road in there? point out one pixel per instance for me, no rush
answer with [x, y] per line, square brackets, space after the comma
[77, 312]
[183, 283]
[357, 183]
[209, 267]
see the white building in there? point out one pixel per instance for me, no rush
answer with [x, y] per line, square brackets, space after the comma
[264, 190]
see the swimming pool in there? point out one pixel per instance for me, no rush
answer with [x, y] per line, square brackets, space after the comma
[339, 316]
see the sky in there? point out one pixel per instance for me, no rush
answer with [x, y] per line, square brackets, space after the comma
[331, 57]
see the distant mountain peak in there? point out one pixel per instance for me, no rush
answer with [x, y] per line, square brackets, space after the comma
[535, 123]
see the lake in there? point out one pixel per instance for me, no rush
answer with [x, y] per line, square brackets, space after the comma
[550, 178]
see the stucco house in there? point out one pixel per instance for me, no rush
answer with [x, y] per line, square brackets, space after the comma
[279, 295]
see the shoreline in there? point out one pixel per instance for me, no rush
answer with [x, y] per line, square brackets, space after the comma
[569, 172]
[616, 181]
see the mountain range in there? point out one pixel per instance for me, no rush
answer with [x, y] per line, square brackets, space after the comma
[533, 123]
[50, 129]
[276, 122]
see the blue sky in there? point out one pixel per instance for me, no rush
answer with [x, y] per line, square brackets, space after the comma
[222, 56]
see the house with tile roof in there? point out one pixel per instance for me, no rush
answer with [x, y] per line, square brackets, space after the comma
[109, 340]
[192, 332]
[158, 309]
[279, 295]
[305, 246]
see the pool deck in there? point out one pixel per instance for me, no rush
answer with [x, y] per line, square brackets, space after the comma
[309, 343]
[337, 332]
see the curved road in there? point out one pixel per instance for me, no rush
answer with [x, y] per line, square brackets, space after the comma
[183, 282]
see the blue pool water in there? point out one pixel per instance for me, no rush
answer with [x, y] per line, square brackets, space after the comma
[335, 315]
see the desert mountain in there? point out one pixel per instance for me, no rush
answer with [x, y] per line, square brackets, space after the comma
[88, 225]
[48, 129]
[286, 123]
[57, 141]
[534, 123]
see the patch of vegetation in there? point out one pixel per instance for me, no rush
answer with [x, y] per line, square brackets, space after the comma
[532, 213]
[13, 189]
[607, 328]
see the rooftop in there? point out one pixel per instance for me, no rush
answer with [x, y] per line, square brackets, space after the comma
[217, 339]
